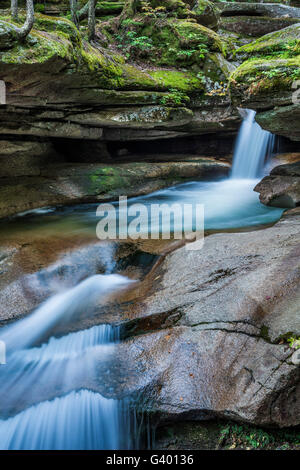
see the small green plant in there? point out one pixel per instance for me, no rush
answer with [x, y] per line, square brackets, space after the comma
[293, 342]
[259, 439]
[175, 97]
[134, 45]
[199, 52]
[150, 12]
[39, 8]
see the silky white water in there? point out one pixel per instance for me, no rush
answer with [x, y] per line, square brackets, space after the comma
[44, 400]
[253, 146]
[230, 203]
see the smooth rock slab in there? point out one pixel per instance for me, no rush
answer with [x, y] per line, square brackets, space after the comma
[236, 298]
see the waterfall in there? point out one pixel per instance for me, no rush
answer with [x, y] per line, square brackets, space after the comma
[61, 308]
[50, 392]
[253, 147]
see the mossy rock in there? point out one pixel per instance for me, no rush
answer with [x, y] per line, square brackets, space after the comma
[180, 42]
[262, 83]
[63, 25]
[109, 8]
[161, 80]
[169, 5]
[207, 14]
[195, 32]
[55, 45]
[184, 81]
[8, 34]
[39, 47]
[273, 65]
[280, 44]
[48, 24]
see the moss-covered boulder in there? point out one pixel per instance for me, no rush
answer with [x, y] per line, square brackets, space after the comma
[56, 43]
[112, 8]
[261, 83]
[270, 67]
[55, 66]
[206, 13]
[168, 42]
[269, 79]
[8, 34]
[280, 44]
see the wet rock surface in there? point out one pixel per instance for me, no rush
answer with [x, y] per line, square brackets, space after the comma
[282, 187]
[224, 355]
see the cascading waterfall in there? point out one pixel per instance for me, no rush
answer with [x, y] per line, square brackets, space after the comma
[48, 394]
[253, 147]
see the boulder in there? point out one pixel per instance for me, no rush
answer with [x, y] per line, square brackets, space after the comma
[271, 10]
[252, 26]
[221, 352]
[282, 187]
[206, 13]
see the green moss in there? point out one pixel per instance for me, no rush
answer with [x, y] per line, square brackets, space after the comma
[135, 79]
[106, 180]
[280, 72]
[170, 5]
[168, 42]
[109, 72]
[39, 47]
[195, 33]
[50, 24]
[245, 436]
[264, 333]
[109, 8]
[182, 81]
[263, 79]
[281, 44]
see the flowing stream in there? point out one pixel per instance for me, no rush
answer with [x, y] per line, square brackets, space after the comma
[48, 393]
